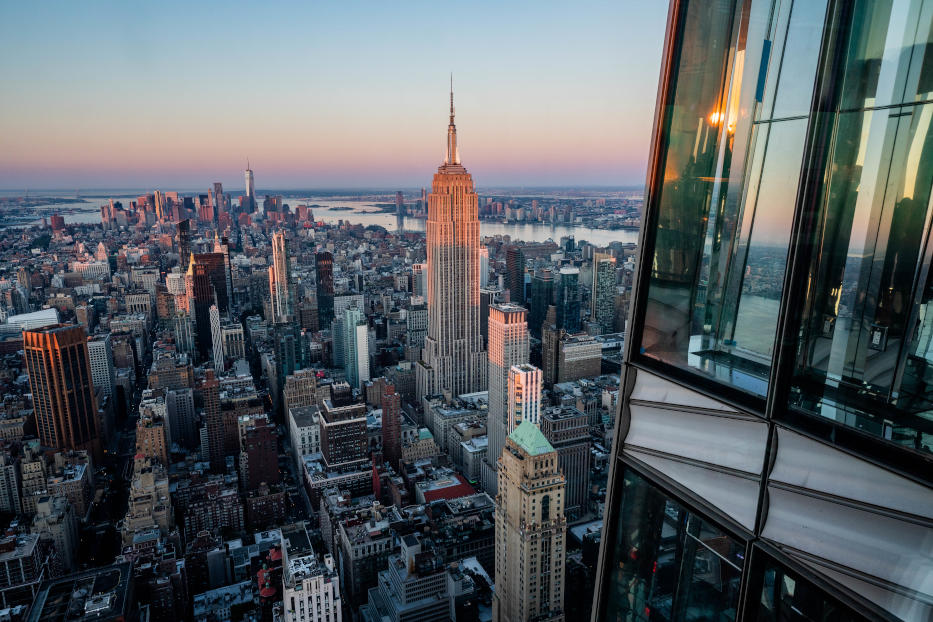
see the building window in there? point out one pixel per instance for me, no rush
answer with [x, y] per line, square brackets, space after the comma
[786, 597]
[735, 124]
[865, 352]
[667, 563]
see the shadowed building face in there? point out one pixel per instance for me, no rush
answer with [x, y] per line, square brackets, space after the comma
[59, 370]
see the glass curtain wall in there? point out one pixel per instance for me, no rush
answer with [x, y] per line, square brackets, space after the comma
[736, 123]
[669, 563]
[865, 356]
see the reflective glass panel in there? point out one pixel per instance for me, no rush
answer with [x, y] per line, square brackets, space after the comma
[736, 125]
[864, 357]
[669, 564]
[785, 597]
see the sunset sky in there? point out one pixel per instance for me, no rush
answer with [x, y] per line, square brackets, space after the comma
[324, 94]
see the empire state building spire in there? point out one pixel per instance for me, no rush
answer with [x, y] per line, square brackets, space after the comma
[453, 358]
[453, 154]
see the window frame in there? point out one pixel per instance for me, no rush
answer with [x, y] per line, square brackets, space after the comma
[775, 405]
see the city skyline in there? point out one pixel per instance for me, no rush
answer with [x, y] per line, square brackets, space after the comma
[150, 97]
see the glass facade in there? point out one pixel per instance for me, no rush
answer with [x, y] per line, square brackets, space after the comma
[736, 124]
[866, 326]
[814, 117]
[669, 563]
[777, 392]
[786, 597]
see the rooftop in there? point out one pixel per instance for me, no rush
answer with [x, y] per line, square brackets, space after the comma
[529, 438]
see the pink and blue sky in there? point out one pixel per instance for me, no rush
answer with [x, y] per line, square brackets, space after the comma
[325, 94]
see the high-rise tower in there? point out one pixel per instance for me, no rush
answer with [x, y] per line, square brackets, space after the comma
[604, 291]
[453, 356]
[324, 278]
[280, 279]
[62, 385]
[508, 346]
[250, 188]
[530, 531]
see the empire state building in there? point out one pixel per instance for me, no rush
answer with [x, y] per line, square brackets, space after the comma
[453, 358]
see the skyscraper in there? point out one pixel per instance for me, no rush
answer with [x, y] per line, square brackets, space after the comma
[391, 426]
[280, 287]
[772, 449]
[250, 189]
[530, 531]
[603, 299]
[217, 340]
[200, 296]
[62, 386]
[542, 296]
[324, 278]
[524, 399]
[103, 372]
[217, 273]
[219, 202]
[568, 300]
[356, 345]
[453, 356]
[213, 421]
[515, 274]
[508, 346]
[183, 241]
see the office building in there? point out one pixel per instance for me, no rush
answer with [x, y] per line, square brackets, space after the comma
[603, 298]
[524, 396]
[200, 296]
[391, 426]
[59, 369]
[103, 373]
[508, 346]
[542, 296]
[568, 299]
[182, 418]
[343, 434]
[280, 286]
[515, 274]
[568, 432]
[772, 453]
[579, 356]
[55, 522]
[417, 585]
[183, 242]
[356, 347]
[250, 189]
[324, 279]
[217, 339]
[217, 274]
[453, 357]
[530, 530]
[310, 588]
[259, 452]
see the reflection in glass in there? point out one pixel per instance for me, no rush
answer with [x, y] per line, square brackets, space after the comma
[669, 564]
[865, 353]
[727, 200]
[786, 597]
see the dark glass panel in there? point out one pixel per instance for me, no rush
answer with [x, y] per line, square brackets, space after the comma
[786, 597]
[669, 564]
[864, 358]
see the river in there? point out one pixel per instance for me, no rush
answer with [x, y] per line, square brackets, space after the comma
[86, 210]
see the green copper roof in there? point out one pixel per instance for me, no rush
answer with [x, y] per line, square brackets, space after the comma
[529, 437]
[424, 434]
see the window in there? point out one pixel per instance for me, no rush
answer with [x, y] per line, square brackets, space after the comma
[786, 597]
[667, 563]
[865, 351]
[736, 124]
